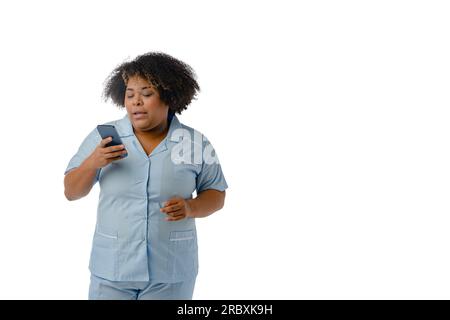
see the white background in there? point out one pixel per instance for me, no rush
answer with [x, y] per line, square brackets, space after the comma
[330, 119]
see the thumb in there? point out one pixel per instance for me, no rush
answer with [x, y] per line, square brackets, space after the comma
[105, 141]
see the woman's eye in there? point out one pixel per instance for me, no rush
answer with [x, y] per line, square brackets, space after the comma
[145, 95]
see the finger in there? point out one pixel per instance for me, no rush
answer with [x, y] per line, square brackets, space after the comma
[120, 157]
[115, 148]
[108, 161]
[171, 201]
[105, 141]
[115, 154]
[175, 213]
[175, 218]
[174, 207]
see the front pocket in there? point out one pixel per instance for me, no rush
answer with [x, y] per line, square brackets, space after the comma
[104, 236]
[181, 235]
[103, 261]
[109, 236]
[182, 260]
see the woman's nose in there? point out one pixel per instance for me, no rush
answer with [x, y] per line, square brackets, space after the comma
[137, 100]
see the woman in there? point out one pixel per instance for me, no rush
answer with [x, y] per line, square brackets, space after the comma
[145, 241]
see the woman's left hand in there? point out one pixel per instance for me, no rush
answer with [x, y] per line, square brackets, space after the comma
[176, 208]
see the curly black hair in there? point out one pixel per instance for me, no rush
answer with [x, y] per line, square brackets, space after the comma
[175, 80]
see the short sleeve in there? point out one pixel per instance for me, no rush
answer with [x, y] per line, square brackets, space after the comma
[86, 148]
[211, 175]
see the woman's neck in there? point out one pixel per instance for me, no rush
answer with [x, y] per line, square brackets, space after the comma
[156, 133]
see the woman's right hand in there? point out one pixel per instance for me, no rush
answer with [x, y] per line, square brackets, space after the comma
[102, 156]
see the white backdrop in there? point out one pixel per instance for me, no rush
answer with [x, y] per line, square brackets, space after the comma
[330, 119]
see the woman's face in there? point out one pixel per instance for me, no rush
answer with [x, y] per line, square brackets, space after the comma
[145, 110]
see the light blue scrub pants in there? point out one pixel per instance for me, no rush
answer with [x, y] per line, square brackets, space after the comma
[102, 289]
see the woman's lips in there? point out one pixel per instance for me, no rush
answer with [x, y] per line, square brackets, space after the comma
[139, 115]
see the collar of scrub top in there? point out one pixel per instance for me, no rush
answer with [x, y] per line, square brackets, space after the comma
[125, 129]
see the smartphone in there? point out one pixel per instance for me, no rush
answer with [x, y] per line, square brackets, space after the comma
[107, 130]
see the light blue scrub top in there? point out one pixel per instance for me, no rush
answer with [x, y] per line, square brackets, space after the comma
[132, 240]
